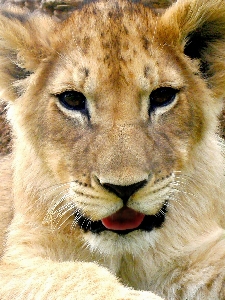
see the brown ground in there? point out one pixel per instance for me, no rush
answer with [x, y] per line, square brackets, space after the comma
[61, 9]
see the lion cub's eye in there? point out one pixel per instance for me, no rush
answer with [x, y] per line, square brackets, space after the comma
[162, 97]
[73, 100]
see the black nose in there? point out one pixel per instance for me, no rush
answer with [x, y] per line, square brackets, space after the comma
[124, 191]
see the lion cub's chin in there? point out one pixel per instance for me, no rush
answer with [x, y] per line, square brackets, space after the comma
[110, 243]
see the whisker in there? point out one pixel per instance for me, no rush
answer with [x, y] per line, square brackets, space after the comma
[77, 217]
[51, 190]
[62, 210]
[52, 212]
[57, 186]
[55, 203]
[66, 219]
[60, 219]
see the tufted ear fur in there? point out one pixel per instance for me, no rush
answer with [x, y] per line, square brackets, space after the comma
[200, 26]
[24, 45]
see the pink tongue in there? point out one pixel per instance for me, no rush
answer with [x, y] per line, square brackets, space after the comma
[125, 218]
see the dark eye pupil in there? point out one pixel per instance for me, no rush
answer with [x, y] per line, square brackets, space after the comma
[162, 97]
[73, 100]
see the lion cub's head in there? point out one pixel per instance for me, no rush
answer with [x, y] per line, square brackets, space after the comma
[108, 108]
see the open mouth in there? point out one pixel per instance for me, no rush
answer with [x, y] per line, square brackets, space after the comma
[124, 221]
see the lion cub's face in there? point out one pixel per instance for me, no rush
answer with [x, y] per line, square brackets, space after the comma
[114, 111]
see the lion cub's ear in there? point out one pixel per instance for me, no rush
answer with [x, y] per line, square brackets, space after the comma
[24, 44]
[200, 29]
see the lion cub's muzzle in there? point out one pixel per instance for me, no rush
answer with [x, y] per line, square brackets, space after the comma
[126, 219]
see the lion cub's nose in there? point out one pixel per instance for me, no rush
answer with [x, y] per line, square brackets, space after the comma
[124, 192]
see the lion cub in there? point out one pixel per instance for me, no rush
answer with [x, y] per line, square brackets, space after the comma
[118, 187]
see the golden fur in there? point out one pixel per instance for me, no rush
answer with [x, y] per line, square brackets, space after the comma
[117, 54]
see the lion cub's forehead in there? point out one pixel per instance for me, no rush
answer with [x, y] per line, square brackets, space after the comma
[113, 41]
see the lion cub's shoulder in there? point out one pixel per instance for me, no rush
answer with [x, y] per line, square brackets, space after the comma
[5, 196]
